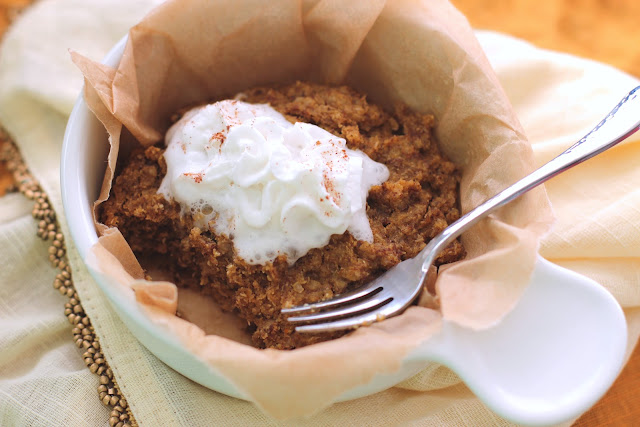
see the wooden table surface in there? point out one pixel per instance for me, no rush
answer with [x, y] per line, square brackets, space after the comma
[8, 10]
[604, 30]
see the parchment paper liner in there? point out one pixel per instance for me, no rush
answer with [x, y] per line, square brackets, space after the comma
[422, 53]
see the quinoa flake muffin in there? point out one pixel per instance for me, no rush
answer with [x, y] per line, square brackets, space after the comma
[418, 201]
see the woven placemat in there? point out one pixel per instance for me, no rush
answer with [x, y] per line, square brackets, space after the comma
[17, 173]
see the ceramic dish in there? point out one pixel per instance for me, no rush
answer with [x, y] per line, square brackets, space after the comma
[526, 368]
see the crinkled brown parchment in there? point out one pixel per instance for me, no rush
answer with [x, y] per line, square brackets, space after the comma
[422, 53]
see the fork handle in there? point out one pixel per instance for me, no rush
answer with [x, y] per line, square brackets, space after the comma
[619, 124]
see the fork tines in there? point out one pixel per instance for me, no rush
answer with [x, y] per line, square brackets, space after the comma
[347, 311]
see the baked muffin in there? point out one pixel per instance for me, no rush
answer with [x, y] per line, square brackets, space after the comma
[200, 248]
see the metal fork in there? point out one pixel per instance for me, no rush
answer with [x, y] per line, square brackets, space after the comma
[392, 292]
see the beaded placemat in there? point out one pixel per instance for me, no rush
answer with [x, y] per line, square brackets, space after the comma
[83, 334]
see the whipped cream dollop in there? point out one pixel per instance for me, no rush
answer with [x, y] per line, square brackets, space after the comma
[273, 187]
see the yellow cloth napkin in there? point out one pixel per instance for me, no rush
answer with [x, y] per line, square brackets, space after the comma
[42, 378]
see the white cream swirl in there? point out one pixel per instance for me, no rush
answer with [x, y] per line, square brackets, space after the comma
[273, 187]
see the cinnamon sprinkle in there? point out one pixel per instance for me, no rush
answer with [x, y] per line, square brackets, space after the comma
[197, 177]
